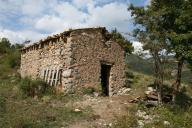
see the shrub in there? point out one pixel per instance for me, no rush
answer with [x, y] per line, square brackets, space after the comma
[129, 78]
[88, 90]
[14, 60]
[129, 74]
[2, 104]
[33, 88]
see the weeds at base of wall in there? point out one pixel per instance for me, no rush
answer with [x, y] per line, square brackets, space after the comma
[89, 90]
[34, 88]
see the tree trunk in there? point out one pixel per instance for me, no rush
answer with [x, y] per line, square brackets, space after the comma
[158, 77]
[177, 83]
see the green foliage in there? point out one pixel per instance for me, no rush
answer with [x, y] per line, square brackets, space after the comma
[5, 46]
[177, 117]
[122, 41]
[190, 63]
[9, 54]
[33, 88]
[139, 64]
[165, 25]
[66, 97]
[13, 59]
[183, 100]
[129, 78]
[88, 90]
[2, 104]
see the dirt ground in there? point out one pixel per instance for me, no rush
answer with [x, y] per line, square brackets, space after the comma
[105, 110]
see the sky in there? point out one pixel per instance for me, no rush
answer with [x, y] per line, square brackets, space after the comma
[22, 20]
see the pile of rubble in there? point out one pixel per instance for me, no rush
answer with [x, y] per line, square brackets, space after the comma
[151, 97]
[124, 91]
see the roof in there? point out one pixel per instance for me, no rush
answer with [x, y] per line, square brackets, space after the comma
[65, 33]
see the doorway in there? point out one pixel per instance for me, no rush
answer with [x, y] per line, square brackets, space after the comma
[105, 74]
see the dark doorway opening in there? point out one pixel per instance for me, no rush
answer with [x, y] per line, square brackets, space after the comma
[105, 74]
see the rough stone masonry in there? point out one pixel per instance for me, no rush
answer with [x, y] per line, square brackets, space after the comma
[77, 58]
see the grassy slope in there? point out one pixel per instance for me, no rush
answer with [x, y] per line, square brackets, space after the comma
[49, 111]
[145, 66]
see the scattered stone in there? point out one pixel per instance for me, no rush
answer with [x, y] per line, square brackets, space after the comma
[110, 124]
[124, 91]
[147, 92]
[166, 122]
[144, 118]
[140, 123]
[140, 113]
[96, 94]
[77, 110]
[151, 89]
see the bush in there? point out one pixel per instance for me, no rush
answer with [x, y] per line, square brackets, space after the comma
[129, 74]
[88, 90]
[14, 60]
[129, 78]
[2, 104]
[35, 87]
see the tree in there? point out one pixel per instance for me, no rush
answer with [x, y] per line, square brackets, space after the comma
[179, 17]
[10, 53]
[172, 20]
[4, 45]
[150, 32]
[127, 45]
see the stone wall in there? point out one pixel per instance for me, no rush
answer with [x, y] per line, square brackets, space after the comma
[78, 54]
[89, 50]
[50, 56]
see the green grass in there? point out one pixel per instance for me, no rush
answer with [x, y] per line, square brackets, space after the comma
[129, 120]
[174, 115]
[34, 88]
[146, 66]
[26, 103]
[49, 110]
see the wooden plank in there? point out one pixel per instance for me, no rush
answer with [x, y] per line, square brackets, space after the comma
[57, 77]
[52, 77]
[46, 74]
[49, 75]
[42, 73]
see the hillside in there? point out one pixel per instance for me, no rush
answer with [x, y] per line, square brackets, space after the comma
[145, 66]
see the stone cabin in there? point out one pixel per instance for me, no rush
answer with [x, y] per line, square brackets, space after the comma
[86, 57]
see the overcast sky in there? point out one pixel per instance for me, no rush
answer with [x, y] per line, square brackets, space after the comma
[22, 20]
